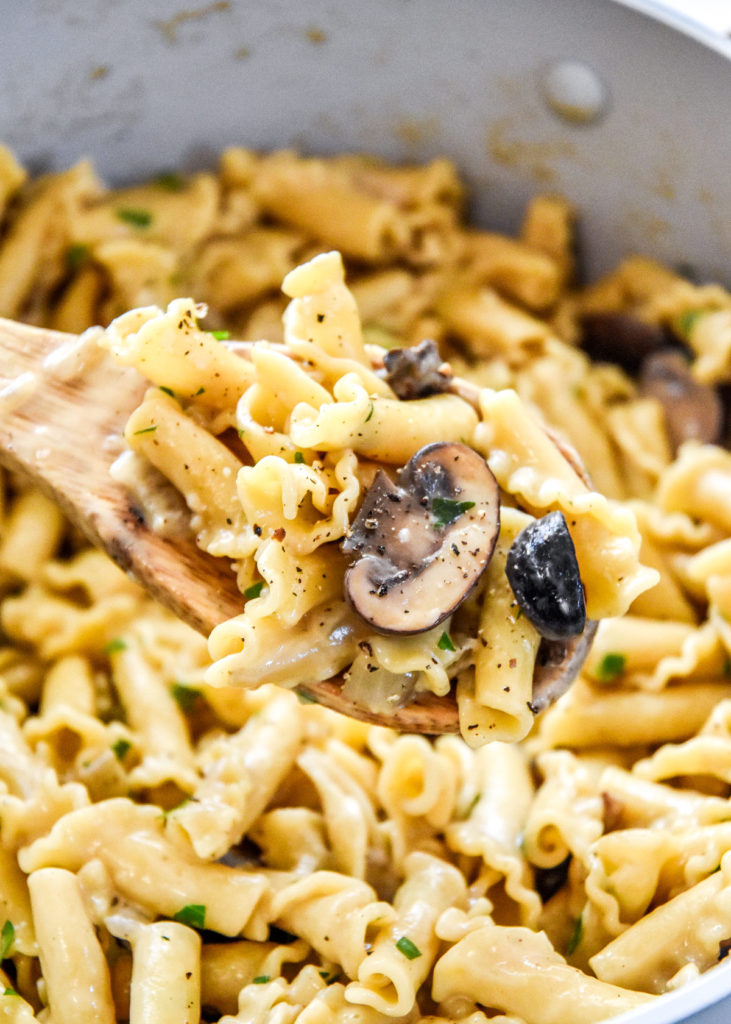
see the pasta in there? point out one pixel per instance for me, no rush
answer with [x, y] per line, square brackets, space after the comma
[177, 848]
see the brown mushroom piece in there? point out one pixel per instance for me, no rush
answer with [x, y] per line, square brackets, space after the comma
[620, 338]
[424, 542]
[418, 371]
[693, 411]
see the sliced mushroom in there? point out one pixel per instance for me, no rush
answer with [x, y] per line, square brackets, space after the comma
[558, 664]
[423, 542]
[543, 571]
[620, 338]
[693, 411]
[418, 371]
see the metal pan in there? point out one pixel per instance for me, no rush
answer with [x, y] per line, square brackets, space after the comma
[622, 107]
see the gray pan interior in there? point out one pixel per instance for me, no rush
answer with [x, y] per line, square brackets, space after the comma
[141, 87]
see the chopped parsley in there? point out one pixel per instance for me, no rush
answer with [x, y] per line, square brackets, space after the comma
[446, 510]
[193, 914]
[134, 216]
[329, 978]
[146, 430]
[170, 181]
[299, 458]
[120, 748]
[306, 698]
[576, 935]
[220, 335]
[684, 324]
[7, 937]
[115, 645]
[171, 810]
[407, 947]
[370, 412]
[262, 979]
[472, 804]
[611, 667]
[9, 991]
[254, 590]
[168, 391]
[76, 256]
[184, 696]
[200, 391]
[445, 643]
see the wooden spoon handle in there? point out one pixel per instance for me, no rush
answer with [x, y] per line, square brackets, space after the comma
[63, 407]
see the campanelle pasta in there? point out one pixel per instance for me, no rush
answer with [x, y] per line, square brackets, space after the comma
[175, 850]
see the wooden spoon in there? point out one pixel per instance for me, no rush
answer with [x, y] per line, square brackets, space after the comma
[63, 408]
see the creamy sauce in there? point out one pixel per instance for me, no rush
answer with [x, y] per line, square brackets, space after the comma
[163, 508]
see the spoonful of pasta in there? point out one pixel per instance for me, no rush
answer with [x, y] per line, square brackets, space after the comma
[359, 524]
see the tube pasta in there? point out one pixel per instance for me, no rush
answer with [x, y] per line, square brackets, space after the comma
[389, 978]
[166, 982]
[131, 843]
[493, 964]
[240, 776]
[76, 972]
[498, 707]
[493, 826]
[156, 793]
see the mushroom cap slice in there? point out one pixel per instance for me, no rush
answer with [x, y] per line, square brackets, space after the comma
[693, 411]
[423, 542]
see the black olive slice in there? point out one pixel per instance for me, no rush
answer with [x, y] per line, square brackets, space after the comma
[543, 571]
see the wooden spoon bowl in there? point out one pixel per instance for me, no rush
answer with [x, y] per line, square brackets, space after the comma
[63, 408]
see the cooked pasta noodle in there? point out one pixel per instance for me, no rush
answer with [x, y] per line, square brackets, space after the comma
[175, 847]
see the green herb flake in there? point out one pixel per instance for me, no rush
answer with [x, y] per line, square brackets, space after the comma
[299, 458]
[446, 510]
[170, 181]
[171, 810]
[9, 991]
[76, 256]
[168, 391]
[7, 938]
[115, 645]
[220, 335]
[306, 698]
[200, 391]
[262, 979]
[330, 978]
[407, 947]
[445, 643]
[120, 748]
[184, 696]
[472, 804]
[685, 323]
[254, 590]
[611, 667]
[134, 216]
[370, 412]
[146, 430]
[576, 936]
[193, 914]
